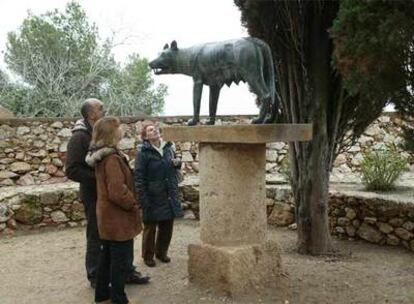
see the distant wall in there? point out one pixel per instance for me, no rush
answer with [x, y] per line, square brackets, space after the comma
[32, 151]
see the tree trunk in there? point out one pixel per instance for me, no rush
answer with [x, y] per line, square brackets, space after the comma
[311, 197]
[311, 188]
[298, 33]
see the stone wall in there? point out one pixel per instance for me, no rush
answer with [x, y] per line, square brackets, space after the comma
[384, 219]
[57, 205]
[381, 218]
[32, 151]
[33, 207]
[32, 154]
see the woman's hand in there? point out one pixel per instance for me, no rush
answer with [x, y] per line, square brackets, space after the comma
[175, 161]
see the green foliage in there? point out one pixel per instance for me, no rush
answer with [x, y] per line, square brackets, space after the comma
[132, 85]
[380, 169]
[371, 55]
[17, 98]
[304, 37]
[3, 79]
[374, 46]
[59, 60]
[374, 52]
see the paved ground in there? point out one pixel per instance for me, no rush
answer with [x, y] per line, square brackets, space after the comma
[48, 268]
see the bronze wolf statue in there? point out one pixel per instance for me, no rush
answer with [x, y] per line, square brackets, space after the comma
[218, 63]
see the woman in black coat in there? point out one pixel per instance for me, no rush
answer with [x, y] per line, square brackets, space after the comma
[157, 186]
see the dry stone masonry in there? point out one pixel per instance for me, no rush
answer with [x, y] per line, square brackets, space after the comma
[32, 151]
[384, 219]
[33, 207]
[35, 193]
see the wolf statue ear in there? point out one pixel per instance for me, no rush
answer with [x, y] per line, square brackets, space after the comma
[165, 46]
[174, 45]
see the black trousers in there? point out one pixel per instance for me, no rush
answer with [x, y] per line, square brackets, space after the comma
[93, 241]
[93, 244]
[113, 269]
[156, 239]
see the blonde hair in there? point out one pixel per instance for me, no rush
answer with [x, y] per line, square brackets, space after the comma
[104, 132]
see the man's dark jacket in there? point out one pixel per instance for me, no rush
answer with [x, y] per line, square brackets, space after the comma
[76, 167]
[156, 183]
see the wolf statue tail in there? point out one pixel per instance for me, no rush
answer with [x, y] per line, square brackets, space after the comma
[269, 78]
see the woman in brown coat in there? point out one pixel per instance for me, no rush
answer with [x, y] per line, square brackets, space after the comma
[116, 209]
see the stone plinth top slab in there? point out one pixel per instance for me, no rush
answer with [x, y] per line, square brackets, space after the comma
[248, 134]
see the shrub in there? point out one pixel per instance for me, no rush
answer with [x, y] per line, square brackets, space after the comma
[380, 169]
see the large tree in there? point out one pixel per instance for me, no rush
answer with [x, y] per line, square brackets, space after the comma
[312, 90]
[3, 79]
[57, 56]
[374, 51]
[59, 60]
[133, 84]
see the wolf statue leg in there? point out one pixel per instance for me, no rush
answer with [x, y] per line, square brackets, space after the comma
[263, 111]
[214, 96]
[259, 88]
[273, 105]
[197, 90]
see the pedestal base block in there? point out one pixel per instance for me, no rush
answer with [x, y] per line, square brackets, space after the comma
[235, 270]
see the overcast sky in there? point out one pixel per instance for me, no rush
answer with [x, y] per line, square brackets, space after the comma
[147, 25]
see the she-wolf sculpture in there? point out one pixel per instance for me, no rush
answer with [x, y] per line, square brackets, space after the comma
[218, 63]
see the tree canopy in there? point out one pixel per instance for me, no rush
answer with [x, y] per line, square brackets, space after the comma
[327, 76]
[131, 83]
[374, 52]
[59, 60]
[374, 49]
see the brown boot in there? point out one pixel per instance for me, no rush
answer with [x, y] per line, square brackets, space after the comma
[164, 259]
[149, 263]
[104, 302]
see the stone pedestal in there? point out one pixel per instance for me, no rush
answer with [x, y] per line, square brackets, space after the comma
[232, 193]
[235, 270]
[235, 255]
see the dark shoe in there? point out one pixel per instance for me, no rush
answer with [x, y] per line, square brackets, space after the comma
[149, 263]
[164, 259]
[137, 278]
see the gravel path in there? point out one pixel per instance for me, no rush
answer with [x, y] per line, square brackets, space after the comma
[48, 268]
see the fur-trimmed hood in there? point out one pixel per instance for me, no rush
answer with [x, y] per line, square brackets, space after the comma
[96, 155]
[81, 125]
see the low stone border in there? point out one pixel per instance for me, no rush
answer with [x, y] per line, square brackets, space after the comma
[33, 207]
[384, 219]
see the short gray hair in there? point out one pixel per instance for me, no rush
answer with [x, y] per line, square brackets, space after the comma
[86, 106]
